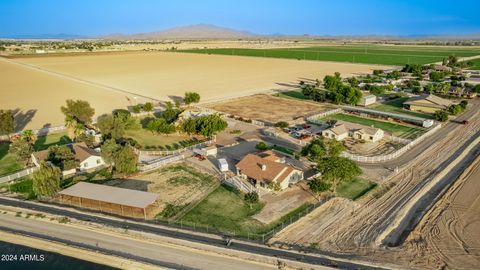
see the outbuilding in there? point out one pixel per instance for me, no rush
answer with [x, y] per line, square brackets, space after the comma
[206, 151]
[223, 165]
[367, 100]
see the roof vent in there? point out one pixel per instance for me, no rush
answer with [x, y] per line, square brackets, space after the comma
[264, 167]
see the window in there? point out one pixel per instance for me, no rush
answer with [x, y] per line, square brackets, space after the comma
[85, 164]
[98, 161]
[371, 137]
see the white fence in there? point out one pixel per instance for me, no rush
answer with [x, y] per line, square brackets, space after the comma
[172, 152]
[153, 164]
[393, 155]
[314, 118]
[17, 175]
[38, 132]
[237, 183]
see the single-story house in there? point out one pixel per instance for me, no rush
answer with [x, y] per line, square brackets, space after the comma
[367, 100]
[338, 132]
[455, 90]
[441, 68]
[369, 134]
[427, 103]
[266, 168]
[113, 200]
[88, 158]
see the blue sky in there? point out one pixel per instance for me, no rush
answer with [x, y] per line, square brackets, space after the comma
[321, 17]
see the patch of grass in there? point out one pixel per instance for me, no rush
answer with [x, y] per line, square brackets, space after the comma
[171, 210]
[8, 162]
[235, 131]
[225, 211]
[396, 106]
[283, 150]
[393, 128]
[51, 139]
[369, 53]
[25, 187]
[355, 188]
[476, 64]
[193, 175]
[292, 94]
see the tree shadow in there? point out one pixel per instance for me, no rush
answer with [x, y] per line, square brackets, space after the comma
[22, 118]
[176, 98]
[307, 80]
[290, 85]
[4, 147]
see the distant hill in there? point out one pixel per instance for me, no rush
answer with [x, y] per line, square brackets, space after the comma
[46, 36]
[199, 31]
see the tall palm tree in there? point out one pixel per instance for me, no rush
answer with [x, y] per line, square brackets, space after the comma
[70, 124]
[29, 136]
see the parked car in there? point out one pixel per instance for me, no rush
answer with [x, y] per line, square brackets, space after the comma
[200, 157]
[465, 122]
[305, 126]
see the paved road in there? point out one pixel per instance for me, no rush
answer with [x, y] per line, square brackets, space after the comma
[185, 235]
[428, 142]
[163, 255]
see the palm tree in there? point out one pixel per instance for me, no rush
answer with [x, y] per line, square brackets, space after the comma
[29, 136]
[72, 126]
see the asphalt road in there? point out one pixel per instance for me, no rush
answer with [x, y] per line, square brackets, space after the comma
[185, 235]
[425, 144]
[163, 255]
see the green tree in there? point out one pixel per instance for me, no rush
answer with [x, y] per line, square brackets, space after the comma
[463, 104]
[189, 126]
[126, 160]
[261, 146]
[46, 180]
[332, 82]
[80, 110]
[337, 169]
[436, 76]
[111, 127]
[210, 125]
[334, 148]
[160, 125]
[28, 136]
[108, 151]
[191, 97]
[7, 122]
[136, 108]
[318, 186]
[62, 157]
[148, 107]
[251, 198]
[315, 150]
[440, 115]
[21, 150]
[281, 124]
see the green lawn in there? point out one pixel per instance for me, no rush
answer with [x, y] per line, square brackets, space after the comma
[369, 53]
[24, 186]
[476, 64]
[148, 140]
[225, 210]
[293, 94]
[8, 163]
[393, 128]
[355, 188]
[396, 106]
[51, 139]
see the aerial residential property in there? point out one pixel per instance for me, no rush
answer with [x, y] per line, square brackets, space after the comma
[248, 135]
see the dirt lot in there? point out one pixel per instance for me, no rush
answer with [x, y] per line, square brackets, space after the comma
[449, 235]
[278, 204]
[43, 83]
[177, 184]
[269, 108]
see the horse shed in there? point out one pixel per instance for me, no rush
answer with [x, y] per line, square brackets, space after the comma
[113, 200]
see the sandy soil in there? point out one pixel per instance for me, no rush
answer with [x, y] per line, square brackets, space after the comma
[450, 233]
[269, 108]
[352, 228]
[37, 97]
[105, 80]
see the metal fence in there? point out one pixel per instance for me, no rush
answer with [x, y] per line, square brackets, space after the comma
[153, 164]
[315, 118]
[18, 174]
[172, 152]
[393, 155]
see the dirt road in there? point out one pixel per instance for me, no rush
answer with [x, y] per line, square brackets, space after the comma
[343, 226]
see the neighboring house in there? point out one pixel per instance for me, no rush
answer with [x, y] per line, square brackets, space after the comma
[266, 168]
[88, 158]
[442, 68]
[96, 134]
[367, 100]
[455, 90]
[468, 92]
[427, 103]
[338, 133]
[369, 134]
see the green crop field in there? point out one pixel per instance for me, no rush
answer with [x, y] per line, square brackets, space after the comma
[368, 54]
[393, 128]
[476, 64]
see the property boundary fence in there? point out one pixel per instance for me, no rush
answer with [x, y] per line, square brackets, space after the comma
[393, 155]
[314, 118]
[18, 174]
[153, 164]
[38, 132]
[172, 152]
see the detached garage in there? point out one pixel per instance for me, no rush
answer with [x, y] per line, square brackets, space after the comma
[113, 200]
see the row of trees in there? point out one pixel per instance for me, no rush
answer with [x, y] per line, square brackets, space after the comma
[340, 92]
[205, 125]
[454, 109]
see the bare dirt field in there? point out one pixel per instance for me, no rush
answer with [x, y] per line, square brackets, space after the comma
[42, 83]
[36, 97]
[450, 233]
[269, 108]
[177, 184]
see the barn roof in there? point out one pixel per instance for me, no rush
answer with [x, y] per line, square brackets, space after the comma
[109, 194]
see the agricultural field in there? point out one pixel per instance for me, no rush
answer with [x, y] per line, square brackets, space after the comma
[269, 108]
[476, 64]
[396, 106]
[111, 81]
[367, 54]
[398, 130]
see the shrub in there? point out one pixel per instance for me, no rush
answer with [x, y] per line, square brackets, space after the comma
[281, 124]
[261, 146]
[440, 116]
[136, 108]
